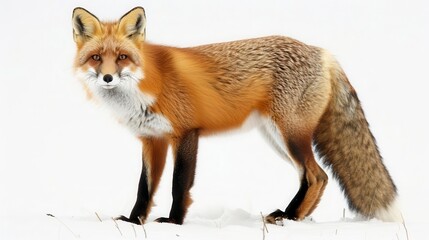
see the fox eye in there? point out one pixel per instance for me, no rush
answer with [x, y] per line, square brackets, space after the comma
[96, 57]
[122, 57]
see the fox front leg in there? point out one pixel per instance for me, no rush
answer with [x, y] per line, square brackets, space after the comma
[154, 156]
[185, 148]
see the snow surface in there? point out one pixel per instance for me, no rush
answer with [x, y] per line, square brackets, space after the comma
[225, 224]
[61, 155]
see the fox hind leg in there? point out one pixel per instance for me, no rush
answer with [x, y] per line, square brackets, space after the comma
[313, 179]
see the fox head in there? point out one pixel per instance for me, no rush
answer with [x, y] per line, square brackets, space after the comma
[108, 57]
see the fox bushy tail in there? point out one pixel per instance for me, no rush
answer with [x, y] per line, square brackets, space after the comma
[346, 144]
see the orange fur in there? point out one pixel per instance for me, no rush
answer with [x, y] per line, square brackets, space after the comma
[195, 74]
[155, 153]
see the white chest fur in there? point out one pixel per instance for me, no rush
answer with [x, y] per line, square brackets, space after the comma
[123, 97]
[132, 109]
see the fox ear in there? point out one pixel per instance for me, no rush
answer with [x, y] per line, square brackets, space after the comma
[85, 25]
[133, 24]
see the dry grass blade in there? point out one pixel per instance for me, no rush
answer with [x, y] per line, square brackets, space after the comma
[142, 223]
[67, 227]
[135, 233]
[264, 226]
[96, 214]
[117, 226]
[405, 227]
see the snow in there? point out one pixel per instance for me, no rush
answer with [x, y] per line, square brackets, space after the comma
[65, 156]
[226, 224]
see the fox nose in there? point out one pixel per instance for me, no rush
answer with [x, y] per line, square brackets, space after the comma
[108, 78]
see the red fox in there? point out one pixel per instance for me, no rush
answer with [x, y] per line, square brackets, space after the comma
[170, 96]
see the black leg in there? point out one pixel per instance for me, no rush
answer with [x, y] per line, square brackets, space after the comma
[183, 176]
[141, 206]
[153, 158]
[290, 212]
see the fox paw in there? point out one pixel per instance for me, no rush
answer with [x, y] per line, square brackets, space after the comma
[277, 217]
[130, 220]
[167, 220]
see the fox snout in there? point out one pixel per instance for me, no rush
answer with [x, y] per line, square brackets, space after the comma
[108, 81]
[124, 78]
[108, 78]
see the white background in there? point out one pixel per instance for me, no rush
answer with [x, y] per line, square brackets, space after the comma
[62, 154]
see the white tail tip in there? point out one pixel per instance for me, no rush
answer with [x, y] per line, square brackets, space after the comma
[391, 213]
